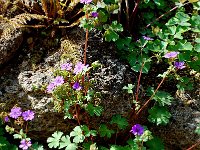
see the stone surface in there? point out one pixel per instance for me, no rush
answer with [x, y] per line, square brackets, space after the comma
[10, 41]
[21, 84]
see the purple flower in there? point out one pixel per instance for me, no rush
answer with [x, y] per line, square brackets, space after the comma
[59, 80]
[15, 112]
[24, 144]
[137, 129]
[50, 87]
[66, 66]
[79, 68]
[77, 86]
[28, 115]
[6, 119]
[147, 38]
[171, 54]
[85, 1]
[179, 65]
[94, 14]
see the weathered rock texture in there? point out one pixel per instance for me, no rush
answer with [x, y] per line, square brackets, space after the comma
[10, 41]
[21, 84]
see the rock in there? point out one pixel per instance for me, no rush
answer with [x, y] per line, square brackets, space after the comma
[22, 88]
[10, 40]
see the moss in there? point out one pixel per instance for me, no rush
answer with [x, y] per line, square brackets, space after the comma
[70, 51]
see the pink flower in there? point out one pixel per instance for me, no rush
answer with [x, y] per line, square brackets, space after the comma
[179, 65]
[66, 66]
[24, 144]
[171, 54]
[28, 115]
[15, 112]
[85, 1]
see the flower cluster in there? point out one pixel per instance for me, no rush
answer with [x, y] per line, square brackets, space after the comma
[137, 129]
[59, 80]
[16, 112]
[25, 144]
[177, 65]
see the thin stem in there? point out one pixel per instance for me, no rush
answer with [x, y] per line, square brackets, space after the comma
[134, 12]
[138, 84]
[27, 127]
[174, 8]
[77, 115]
[86, 41]
[116, 137]
[147, 102]
[86, 45]
[127, 13]
[193, 146]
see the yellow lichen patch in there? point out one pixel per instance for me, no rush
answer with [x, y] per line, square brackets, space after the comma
[70, 51]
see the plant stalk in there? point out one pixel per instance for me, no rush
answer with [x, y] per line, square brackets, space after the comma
[193, 146]
[147, 102]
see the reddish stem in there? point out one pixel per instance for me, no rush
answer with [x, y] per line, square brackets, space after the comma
[77, 115]
[134, 12]
[86, 45]
[193, 146]
[147, 102]
[138, 84]
[174, 8]
[86, 41]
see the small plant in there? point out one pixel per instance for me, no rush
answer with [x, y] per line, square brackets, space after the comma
[15, 120]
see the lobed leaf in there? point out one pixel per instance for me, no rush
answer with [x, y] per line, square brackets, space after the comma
[53, 142]
[159, 115]
[121, 122]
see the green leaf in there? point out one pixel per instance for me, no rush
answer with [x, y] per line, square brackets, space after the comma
[67, 105]
[17, 136]
[116, 26]
[197, 40]
[102, 16]
[53, 142]
[133, 144]
[136, 66]
[163, 98]
[111, 31]
[172, 30]
[159, 115]
[197, 47]
[159, 3]
[104, 131]
[182, 17]
[93, 147]
[198, 129]
[88, 132]
[97, 110]
[65, 142]
[36, 146]
[125, 44]
[172, 21]
[129, 88]
[118, 147]
[196, 6]
[111, 35]
[121, 122]
[184, 45]
[78, 135]
[155, 144]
